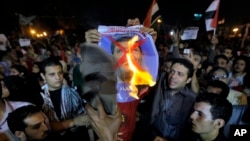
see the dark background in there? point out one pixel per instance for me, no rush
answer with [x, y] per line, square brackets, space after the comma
[89, 14]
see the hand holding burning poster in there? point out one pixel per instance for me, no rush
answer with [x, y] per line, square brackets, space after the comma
[134, 55]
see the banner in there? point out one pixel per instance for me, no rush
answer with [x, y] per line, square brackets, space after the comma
[150, 61]
[190, 33]
[24, 42]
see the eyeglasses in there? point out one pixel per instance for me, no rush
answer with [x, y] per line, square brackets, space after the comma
[217, 77]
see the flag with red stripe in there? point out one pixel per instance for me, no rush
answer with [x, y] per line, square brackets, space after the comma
[212, 15]
[152, 14]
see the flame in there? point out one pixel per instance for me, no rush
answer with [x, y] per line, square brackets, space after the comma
[140, 76]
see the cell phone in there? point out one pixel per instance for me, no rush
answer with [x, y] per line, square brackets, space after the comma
[186, 51]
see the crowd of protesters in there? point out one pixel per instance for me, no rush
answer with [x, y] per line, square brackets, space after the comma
[195, 94]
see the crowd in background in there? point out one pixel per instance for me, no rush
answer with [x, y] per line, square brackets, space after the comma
[215, 61]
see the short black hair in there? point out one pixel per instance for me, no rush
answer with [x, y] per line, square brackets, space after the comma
[21, 69]
[245, 59]
[16, 118]
[220, 56]
[51, 61]
[200, 54]
[214, 69]
[221, 108]
[219, 84]
[186, 63]
[229, 47]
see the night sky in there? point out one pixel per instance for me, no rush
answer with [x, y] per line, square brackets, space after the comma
[95, 12]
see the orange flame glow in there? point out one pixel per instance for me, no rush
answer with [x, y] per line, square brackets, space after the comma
[140, 76]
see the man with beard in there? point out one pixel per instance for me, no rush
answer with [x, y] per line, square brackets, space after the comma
[30, 123]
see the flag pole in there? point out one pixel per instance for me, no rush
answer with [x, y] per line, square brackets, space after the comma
[214, 31]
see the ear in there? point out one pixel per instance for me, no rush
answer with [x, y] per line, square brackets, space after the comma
[188, 80]
[219, 123]
[21, 135]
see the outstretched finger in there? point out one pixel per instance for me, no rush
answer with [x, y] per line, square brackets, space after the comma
[100, 108]
[91, 111]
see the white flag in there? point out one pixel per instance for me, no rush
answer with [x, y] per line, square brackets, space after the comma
[25, 20]
[212, 15]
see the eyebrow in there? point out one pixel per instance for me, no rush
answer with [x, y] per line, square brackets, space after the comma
[199, 112]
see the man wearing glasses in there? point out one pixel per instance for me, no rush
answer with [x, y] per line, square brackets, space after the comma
[234, 96]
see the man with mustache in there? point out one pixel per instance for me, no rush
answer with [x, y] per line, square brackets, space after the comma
[30, 123]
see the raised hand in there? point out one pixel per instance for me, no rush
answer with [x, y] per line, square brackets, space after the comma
[105, 126]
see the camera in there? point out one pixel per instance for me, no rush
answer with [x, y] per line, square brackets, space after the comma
[186, 51]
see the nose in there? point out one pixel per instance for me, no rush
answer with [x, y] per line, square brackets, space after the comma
[44, 127]
[57, 76]
[174, 74]
[193, 115]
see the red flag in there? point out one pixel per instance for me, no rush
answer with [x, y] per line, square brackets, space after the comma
[212, 15]
[152, 10]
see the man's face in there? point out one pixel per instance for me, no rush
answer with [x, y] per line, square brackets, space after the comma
[118, 53]
[221, 63]
[197, 61]
[220, 75]
[202, 122]
[37, 126]
[168, 66]
[239, 66]
[228, 53]
[53, 77]
[178, 77]
[13, 71]
[35, 68]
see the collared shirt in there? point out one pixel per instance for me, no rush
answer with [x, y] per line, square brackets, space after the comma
[196, 137]
[171, 113]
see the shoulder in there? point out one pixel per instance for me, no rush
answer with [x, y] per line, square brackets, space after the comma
[235, 92]
[189, 93]
[17, 104]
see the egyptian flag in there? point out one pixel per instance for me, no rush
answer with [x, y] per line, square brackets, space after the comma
[152, 15]
[212, 15]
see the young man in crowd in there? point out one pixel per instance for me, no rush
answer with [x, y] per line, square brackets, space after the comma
[62, 104]
[30, 123]
[173, 102]
[211, 113]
